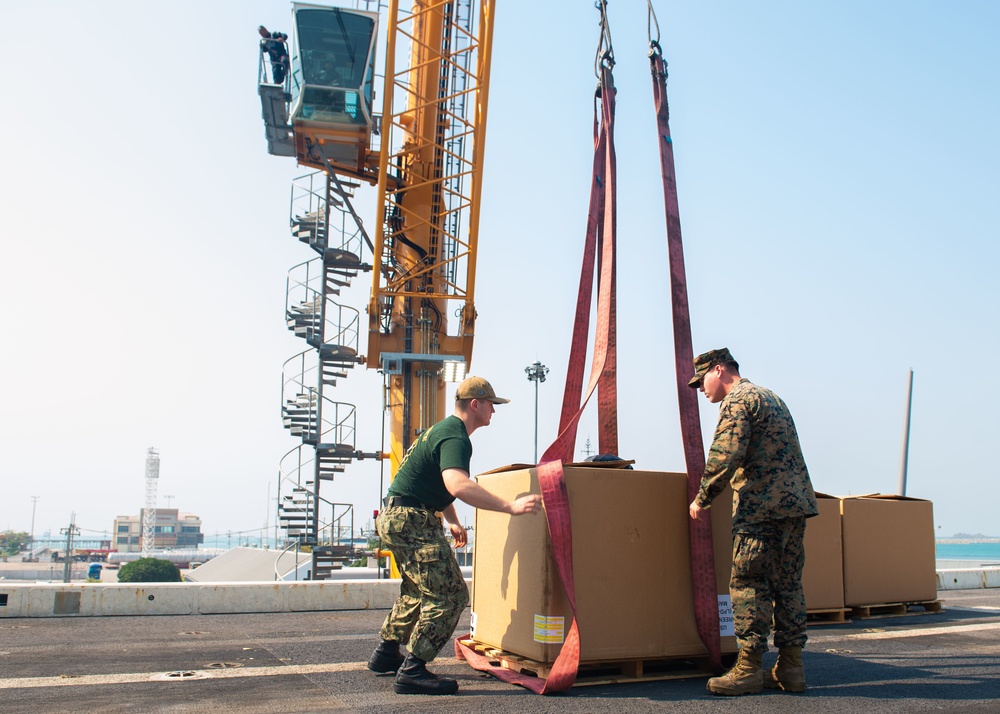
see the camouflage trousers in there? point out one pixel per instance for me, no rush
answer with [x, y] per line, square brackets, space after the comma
[766, 584]
[433, 593]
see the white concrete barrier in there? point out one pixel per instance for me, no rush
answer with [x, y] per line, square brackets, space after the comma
[21, 599]
[138, 599]
[108, 599]
[968, 578]
[222, 598]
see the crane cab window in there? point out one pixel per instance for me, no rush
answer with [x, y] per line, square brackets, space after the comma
[333, 66]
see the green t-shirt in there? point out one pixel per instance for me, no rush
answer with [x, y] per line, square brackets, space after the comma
[446, 445]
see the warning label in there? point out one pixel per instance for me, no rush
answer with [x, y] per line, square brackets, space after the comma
[550, 630]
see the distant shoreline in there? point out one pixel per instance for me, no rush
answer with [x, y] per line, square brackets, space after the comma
[967, 540]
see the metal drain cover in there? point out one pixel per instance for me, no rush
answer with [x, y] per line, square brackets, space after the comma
[222, 665]
[178, 675]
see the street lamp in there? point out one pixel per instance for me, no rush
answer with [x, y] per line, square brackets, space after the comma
[31, 547]
[536, 373]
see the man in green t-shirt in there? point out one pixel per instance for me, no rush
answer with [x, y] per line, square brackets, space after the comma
[434, 472]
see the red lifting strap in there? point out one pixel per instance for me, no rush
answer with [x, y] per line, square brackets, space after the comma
[702, 556]
[600, 232]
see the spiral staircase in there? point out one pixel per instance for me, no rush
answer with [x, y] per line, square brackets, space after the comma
[321, 216]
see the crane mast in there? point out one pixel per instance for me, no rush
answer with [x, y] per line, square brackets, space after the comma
[429, 188]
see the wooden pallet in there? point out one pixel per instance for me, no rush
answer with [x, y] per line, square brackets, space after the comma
[602, 672]
[895, 609]
[832, 616]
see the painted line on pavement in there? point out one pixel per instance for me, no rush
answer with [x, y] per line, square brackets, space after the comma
[953, 630]
[196, 675]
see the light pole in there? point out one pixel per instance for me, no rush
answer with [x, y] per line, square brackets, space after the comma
[31, 545]
[536, 373]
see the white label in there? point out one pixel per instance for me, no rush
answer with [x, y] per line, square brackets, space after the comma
[549, 629]
[472, 624]
[726, 628]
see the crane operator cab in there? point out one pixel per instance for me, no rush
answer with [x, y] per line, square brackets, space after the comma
[331, 85]
[322, 108]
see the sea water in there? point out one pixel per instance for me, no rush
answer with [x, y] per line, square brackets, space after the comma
[967, 554]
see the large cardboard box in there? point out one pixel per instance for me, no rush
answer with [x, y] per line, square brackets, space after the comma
[631, 567]
[823, 575]
[888, 550]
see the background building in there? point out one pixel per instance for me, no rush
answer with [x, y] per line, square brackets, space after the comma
[172, 530]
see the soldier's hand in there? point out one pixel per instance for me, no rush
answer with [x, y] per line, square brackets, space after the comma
[696, 511]
[460, 535]
[526, 504]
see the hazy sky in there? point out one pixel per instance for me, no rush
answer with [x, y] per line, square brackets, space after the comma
[837, 167]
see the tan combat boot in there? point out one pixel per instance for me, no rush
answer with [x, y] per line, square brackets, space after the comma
[788, 674]
[744, 678]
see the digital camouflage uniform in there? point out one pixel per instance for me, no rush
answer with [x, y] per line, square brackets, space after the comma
[756, 450]
[433, 592]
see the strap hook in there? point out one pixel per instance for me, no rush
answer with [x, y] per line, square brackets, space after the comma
[605, 55]
[651, 22]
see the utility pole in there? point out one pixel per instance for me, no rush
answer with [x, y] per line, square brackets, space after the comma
[69, 533]
[536, 373]
[31, 545]
[905, 456]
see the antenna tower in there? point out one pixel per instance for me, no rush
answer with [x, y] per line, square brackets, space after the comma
[149, 512]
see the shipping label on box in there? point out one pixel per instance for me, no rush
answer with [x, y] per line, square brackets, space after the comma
[726, 625]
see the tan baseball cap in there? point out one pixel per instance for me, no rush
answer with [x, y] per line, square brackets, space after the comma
[478, 388]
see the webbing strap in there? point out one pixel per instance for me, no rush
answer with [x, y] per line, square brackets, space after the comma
[702, 555]
[607, 396]
[551, 479]
[563, 673]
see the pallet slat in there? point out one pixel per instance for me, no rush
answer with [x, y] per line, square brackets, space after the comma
[832, 616]
[895, 609]
[595, 673]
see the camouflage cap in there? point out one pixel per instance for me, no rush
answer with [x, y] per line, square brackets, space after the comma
[478, 388]
[704, 362]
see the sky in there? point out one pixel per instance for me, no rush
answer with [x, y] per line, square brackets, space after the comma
[837, 168]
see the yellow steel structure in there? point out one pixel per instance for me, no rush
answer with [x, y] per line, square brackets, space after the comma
[429, 186]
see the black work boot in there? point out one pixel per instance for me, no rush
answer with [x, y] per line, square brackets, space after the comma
[413, 678]
[386, 658]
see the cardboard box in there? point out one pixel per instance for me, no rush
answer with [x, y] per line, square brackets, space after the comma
[888, 550]
[631, 567]
[823, 575]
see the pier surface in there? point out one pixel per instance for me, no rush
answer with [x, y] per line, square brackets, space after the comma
[315, 662]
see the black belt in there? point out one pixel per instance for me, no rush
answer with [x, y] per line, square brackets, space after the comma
[407, 502]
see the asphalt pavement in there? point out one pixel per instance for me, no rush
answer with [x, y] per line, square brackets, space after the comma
[315, 662]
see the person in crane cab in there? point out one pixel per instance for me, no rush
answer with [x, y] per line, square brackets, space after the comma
[274, 47]
[434, 472]
[756, 449]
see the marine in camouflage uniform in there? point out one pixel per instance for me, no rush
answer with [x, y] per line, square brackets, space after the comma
[434, 472]
[756, 450]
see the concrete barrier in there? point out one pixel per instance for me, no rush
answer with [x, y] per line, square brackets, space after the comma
[108, 599]
[19, 599]
[968, 578]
